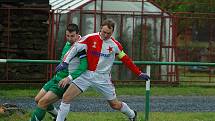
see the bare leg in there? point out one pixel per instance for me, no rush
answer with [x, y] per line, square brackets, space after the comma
[41, 93]
[42, 105]
[68, 96]
[48, 98]
[121, 106]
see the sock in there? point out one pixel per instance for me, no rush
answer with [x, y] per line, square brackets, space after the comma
[63, 111]
[127, 111]
[52, 110]
[38, 114]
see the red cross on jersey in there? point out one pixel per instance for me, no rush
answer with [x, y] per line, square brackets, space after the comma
[110, 49]
[101, 53]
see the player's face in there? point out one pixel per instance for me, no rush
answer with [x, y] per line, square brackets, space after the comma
[71, 36]
[106, 32]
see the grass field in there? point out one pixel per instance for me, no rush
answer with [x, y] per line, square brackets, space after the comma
[116, 116]
[20, 92]
[17, 92]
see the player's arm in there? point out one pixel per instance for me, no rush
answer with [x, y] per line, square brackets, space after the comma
[73, 51]
[66, 48]
[82, 66]
[128, 62]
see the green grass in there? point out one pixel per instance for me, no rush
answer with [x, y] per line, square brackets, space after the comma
[192, 44]
[121, 90]
[195, 77]
[116, 116]
[20, 92]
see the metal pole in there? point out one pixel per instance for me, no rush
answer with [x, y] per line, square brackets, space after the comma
[115, 62]
[147, 105]
[29, 61]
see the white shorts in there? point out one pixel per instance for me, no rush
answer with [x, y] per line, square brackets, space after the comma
[101, 82]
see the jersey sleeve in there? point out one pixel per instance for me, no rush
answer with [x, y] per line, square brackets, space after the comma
[73, 51]
[128, 62]
[82, 66]
[84, 39]
[126, 59]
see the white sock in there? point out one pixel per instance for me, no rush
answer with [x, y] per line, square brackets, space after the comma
[127, 111]
[63, 111]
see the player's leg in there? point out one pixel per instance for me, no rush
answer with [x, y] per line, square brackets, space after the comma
[47, 100]
[71, 92]
[44, 90]
[43, 104]
[55, 91]
[39, 95]
[124, 108]
[78, 86]
[106, 87]
[110, 96]
[39, 112]
[51, 109]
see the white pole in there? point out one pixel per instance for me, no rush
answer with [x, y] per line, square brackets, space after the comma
[147, 104]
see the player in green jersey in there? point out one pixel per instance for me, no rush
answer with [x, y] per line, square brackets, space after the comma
[51, 92]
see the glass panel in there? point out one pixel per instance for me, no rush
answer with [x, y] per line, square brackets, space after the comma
[149, 7]
[57, 4]
[137, 38]
[123, 7]
[88, 22]
[127, 34]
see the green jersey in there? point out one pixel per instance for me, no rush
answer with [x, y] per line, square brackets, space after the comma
[77, 66]
[65, 49]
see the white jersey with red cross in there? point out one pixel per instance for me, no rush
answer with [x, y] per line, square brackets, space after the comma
[100, 53]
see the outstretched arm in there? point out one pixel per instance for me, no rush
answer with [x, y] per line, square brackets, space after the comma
[128, 62]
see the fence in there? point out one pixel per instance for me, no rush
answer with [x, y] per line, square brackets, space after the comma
[144, 34]
[182, 78]
[148, 71]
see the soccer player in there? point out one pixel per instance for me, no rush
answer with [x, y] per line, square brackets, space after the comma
[101, 51]
[51, 92]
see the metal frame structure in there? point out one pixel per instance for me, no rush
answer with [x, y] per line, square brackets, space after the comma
[151, 19]
[173, 28]
[195, 42]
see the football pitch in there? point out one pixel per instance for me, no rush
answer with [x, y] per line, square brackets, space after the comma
[197, 104]
[116, 116]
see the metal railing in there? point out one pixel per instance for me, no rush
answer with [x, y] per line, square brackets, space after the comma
[148, 68]
[115, 62]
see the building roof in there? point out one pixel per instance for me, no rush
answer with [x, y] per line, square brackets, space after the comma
[109, 6]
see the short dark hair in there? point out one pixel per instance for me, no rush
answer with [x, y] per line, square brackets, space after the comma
[109, 23]
[72, 28]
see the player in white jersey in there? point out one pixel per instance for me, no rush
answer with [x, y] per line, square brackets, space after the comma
[101, 52]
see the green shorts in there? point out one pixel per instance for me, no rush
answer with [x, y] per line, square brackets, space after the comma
[52, 85]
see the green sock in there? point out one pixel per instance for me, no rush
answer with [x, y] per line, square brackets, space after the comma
[50, 107]
[52, 110]
[38, 114]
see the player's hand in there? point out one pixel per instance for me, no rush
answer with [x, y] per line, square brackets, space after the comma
[144, 76]
[64, 82]
[61, 66]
